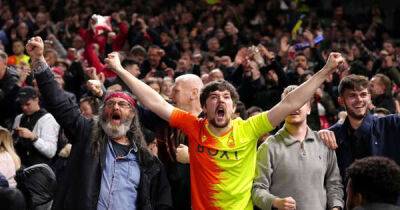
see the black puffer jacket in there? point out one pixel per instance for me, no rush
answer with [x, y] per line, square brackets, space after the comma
[81, 186]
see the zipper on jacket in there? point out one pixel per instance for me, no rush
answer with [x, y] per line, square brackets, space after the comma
[303, 151]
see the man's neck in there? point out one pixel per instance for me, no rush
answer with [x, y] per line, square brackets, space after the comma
[219, 131]
[33, 112]
[354, 122]
[121, 140]
[194, 109]
[298, 131]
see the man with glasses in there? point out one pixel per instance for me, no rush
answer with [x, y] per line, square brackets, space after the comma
[109, 167]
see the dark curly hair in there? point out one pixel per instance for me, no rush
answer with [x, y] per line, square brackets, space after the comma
[377, 179]
[353, 82]
[220, 85]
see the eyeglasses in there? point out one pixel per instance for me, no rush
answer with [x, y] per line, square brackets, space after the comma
[122, 104]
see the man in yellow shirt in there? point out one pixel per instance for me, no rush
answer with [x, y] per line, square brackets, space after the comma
[222, 151]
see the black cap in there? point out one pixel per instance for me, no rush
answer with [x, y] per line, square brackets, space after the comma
[25, 94]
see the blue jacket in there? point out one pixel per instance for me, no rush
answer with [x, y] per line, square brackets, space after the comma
[382, 136]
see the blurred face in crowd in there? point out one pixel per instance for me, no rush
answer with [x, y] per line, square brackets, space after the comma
[205, 78]
[30, 106]
[225, 61]
[50, 57]
[78, 43]
[181, 92]
[376, 87]
[220, 34]
[166, 87]
[196, 58]
[164, 38]
[133, 69]
[184, 64]
[156, 86]
[213, 45]
[301, 61]
[138, 57]
[356, 102]
[272, 77]
[86, 109]
[116, 117]
[355, 50]
[388, 46]
[18, 48]
[154, 57]
[185, 44]
[339, 12]
[22, 29]
[216, 74]
[41, 18]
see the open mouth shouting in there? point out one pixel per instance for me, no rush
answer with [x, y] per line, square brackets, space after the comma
[116, 118]
[220, 113]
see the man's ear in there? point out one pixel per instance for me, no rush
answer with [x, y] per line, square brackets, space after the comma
[194, 94]
[204, 109]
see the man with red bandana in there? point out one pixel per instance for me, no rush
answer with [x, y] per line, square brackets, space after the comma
[222, 151]
[110, 166]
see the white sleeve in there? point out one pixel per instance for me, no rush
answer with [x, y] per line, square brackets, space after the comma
[16, 123]
[47, 130]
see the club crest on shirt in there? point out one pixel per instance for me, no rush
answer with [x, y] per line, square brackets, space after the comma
[231, 142]
[203, 138]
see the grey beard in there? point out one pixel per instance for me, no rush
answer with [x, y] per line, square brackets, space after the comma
[116, 131]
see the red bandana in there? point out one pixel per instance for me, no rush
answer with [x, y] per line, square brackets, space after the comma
[121, 95]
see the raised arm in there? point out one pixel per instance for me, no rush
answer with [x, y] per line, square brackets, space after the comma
[144, 93]
[298, 97]
[58, 103]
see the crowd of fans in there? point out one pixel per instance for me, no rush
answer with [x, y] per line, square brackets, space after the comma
[260, 47]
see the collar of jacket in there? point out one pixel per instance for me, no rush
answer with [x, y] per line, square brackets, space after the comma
[363, 130]
[289, 139]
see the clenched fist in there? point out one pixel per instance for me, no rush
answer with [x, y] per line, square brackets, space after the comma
[334, 61]
[35, 48]
[113, 61]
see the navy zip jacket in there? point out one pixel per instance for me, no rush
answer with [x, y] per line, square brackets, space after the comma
[381, 135]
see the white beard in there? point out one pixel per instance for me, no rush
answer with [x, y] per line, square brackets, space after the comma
[114, 131]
